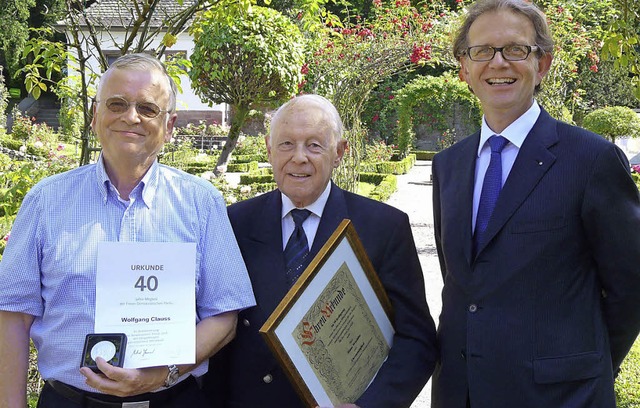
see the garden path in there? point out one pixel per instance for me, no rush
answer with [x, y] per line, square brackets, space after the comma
[414, 198]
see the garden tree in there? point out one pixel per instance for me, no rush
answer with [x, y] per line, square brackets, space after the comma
[351, 58]
[144, 22]
[613, 122]
[14, 26]
[577, 29]
[247, 61]
[622, 43]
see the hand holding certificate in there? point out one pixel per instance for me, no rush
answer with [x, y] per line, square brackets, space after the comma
[332, 331]
[146, 291]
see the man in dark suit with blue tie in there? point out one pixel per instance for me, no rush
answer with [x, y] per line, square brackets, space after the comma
[304, 146]
[537, 228]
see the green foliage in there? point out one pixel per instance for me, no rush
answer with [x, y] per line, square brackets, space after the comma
[627, 385]
[577, 29]
[622, 41]
[242, 167]
[423, 154]
[14, 186]
[254, 57]
[4, 96]
[350, 58]
[385, 185]
[14, 28]
[434, 102]
[613, 122]
[252, 178]
[377, 152]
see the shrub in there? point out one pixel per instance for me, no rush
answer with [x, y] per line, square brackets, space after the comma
[439, 103]
[613, 122]
[4, 96]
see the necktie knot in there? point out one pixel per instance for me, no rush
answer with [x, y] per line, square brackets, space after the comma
[299, 216]
[497, 143]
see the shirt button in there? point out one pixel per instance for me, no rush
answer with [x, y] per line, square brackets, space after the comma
[473, 308]
[267, 378]
[246, 323]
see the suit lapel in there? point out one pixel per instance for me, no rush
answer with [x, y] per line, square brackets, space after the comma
[335, 210]
[533, 161]
[265, 255]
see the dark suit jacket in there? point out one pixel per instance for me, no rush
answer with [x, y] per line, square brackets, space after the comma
[245, 373]
[545, 313]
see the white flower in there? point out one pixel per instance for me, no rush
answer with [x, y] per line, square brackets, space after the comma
[245, 189]
[232, 199]
[23, 149]
[38, 144]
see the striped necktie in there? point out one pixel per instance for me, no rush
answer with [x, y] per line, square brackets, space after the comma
[297, 249]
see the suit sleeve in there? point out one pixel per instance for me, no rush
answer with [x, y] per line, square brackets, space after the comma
[611, 218]
[412, 357]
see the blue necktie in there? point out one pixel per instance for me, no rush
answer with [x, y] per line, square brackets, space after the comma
[297, 249]
[491, 187]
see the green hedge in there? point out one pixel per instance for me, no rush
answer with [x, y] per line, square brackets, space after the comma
[247, 158]
[423, 154]
[251, 178]
[385, 185]
[242, 167]
[390, 167]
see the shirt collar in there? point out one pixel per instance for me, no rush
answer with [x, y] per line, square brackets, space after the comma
[317, 207]
[516, 132]
[148, 186]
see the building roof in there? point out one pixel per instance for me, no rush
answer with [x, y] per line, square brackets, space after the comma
[122, 13]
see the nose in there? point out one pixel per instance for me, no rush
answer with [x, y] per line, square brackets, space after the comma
[131, 114]
[498, 59]
[300, 153]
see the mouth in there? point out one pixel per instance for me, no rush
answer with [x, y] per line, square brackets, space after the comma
[501, 81]
[299, 176]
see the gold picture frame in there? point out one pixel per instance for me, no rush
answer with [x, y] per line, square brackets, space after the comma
[333, 330]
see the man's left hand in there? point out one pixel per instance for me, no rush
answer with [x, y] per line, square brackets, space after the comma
[124, 382]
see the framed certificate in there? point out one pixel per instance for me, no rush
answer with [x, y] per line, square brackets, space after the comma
[332, 331]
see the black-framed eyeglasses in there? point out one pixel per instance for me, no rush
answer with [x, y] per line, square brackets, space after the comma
[516, 52]
[120, 105]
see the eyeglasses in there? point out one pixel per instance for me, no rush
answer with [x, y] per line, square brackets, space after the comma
[482, 53]
[119, 105]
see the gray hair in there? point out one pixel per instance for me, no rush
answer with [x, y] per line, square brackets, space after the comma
[330, 118]
[144, 62]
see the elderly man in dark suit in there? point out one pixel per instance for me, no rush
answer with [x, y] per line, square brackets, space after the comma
[537, 228]
[304, 147]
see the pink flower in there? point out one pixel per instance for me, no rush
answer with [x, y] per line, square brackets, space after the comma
[6, 237]
[60, 147]
[636, 168]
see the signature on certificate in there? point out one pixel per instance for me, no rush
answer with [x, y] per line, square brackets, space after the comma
[143, 352]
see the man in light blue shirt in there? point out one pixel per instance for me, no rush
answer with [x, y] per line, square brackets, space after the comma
[48, 271]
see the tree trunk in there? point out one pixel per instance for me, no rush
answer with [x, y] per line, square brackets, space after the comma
[237, 121]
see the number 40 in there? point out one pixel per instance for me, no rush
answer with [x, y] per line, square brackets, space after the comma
[151, 283]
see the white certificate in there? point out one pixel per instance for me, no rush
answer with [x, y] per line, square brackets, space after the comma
[147, 291]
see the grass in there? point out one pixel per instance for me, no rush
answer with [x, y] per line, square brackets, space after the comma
[628, 382]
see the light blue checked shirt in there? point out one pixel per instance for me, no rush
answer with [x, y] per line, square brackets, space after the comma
[48, 268]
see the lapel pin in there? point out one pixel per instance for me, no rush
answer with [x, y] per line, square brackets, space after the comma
[539, 163]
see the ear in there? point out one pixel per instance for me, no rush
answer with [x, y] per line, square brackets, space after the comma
[170, 126]
[464, 70]
[267, 141]
[544, 64]
[94, 108]
[341, 147]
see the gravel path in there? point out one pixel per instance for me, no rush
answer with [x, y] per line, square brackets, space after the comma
[414, 198]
